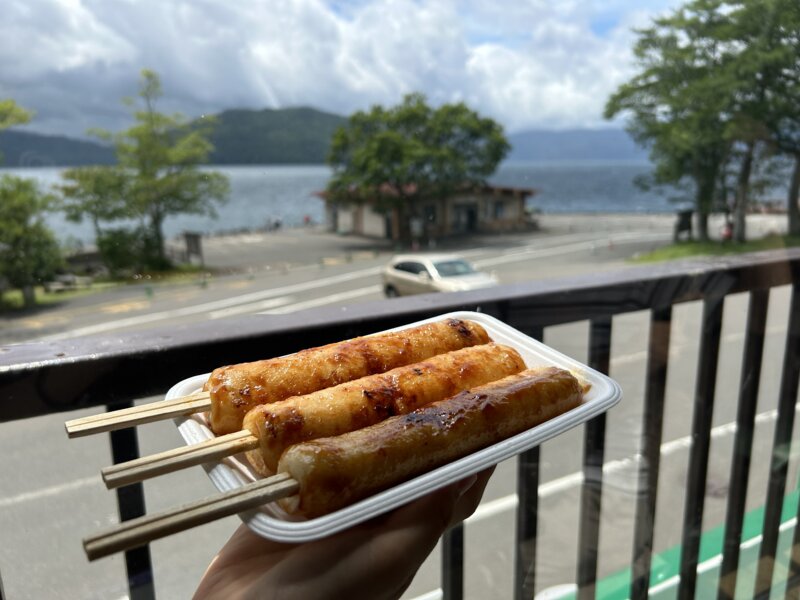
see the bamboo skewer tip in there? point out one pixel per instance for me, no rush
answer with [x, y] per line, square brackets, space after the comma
[176, 459]
[140, 531]
[138, 415]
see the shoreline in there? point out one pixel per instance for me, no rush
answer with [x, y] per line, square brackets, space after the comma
[315, 245]
[766, 222]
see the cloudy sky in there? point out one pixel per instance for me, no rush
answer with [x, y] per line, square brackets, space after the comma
[527, 63]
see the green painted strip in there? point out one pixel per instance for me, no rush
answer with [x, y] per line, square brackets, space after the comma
[666, 564]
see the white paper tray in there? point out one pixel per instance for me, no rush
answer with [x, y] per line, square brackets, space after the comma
[271, 522]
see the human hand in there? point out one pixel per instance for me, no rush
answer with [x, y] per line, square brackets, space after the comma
[376, 560]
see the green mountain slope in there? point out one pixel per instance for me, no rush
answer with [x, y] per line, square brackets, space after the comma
[286, 136]
[302, 136]
[25, 149]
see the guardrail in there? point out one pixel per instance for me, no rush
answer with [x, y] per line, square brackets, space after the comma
[109, 370]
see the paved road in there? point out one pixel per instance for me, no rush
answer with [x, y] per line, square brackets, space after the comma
[60, 487]
[342, 277]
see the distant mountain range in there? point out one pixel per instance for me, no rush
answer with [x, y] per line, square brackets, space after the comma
[574, 144]
[302, 136]
[287, 136]
[24, 149]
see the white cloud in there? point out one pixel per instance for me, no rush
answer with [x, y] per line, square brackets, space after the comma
[528, 64]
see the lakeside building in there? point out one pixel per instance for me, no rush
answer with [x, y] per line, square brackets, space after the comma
[474, 210]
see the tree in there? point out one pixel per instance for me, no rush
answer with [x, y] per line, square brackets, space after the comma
[764, 41]
[157, 174]
[12, 114]
[722, 77]
[410, 152]
[679, 101]
[29, 252]
[768, 70]
[97, 193]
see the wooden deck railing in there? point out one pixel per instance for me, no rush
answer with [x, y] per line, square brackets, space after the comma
[114, 370]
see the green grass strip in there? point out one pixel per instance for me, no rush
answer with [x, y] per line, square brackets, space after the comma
[666, 565]
[713, 248]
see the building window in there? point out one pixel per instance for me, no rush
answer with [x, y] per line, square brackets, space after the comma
[499, 209]
[430, 214]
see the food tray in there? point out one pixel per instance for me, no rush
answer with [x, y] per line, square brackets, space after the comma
[273, 523]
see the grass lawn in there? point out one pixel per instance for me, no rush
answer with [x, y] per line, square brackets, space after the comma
[715, 248]
[11, 300]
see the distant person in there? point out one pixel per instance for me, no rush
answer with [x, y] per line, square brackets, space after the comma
[307, 220]
[683, 225]
[726, 234]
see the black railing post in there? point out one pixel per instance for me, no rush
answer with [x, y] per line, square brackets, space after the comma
[779, 464]
[130, 502]
[593, 453]
[793, 583]
[527, 522]
[527, 514]
[701, 439]
[652, 430]
[453, 563]
[743, 440]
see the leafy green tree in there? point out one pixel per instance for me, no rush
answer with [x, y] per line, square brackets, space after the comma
[123, 249]
[767, 69]
[764, 41]
[398, 156]
[96, 193]
[29, 253]
[717, 92]
[678, 103]
[12, 114]
[157, 174]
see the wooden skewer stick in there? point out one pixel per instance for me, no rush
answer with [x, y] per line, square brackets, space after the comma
[140, 408]
[178, 458]
[138, 415]
[137, 532]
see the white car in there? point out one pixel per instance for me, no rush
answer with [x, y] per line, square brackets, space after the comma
[408, 274]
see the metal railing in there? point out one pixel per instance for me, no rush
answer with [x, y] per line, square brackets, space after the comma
[104, 370]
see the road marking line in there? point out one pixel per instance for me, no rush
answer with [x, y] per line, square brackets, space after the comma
[716, 560]
[702, 568]
[677, 349]
[555, 486]
[255, 307]
[436, 594]
[128, 306]
[535, 250]
[332, 299]
[495, 507]
[209, 306]
[52, 490]
[568, 248]
[485, 510]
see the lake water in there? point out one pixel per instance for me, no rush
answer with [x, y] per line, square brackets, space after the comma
[260, 194]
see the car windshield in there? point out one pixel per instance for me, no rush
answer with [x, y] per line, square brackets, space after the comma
[453, 268]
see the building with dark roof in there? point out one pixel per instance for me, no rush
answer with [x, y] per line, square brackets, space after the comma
[474, 210]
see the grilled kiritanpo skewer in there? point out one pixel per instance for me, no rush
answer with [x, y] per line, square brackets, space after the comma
[270, 428]
[323, 475]
[232, 391]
